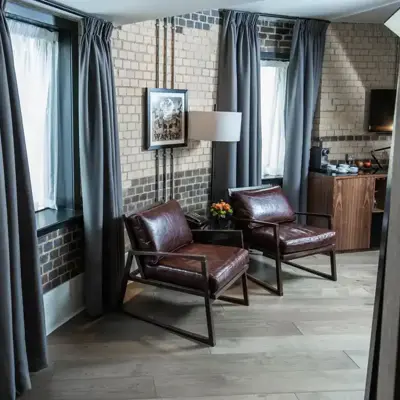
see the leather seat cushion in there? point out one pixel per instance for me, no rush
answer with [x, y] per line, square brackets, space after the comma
[293, 238]
[224, 263]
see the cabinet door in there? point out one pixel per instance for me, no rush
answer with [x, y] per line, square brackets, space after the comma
[353, 200]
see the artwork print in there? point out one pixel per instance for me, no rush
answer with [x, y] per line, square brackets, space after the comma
[166, 118]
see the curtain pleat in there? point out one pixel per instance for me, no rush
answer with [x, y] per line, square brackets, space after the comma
[303, 82]
[22, 331]
[239, 164]
[100, 169]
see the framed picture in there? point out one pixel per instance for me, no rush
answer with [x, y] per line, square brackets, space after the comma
[167, 123]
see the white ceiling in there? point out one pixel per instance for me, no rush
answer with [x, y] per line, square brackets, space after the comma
[126, 11]
[332, 10]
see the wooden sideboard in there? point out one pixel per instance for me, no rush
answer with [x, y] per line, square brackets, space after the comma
[352, 200]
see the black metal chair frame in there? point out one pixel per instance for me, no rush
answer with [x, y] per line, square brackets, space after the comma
[286, 258]
[234, 238]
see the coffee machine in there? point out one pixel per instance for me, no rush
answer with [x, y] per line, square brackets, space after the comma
[319, 158]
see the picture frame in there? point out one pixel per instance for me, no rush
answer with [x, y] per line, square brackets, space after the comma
[166, 119]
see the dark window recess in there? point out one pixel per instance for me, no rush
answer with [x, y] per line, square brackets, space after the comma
[273, 180]
[69, 201]
[50, 220]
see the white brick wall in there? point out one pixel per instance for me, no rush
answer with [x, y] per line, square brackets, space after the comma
[358, 58]
[134, 53]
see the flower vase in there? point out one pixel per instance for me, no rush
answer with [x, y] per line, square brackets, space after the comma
[220, 223]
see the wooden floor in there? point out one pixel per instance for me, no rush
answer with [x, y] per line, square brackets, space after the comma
[312, 344]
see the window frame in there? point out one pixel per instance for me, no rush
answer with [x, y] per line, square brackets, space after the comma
[69, 200]
[274, 56]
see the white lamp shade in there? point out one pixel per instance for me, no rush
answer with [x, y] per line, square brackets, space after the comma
[393, 23]
[215, 126]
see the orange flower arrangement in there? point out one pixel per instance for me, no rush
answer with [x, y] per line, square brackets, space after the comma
[221, 209]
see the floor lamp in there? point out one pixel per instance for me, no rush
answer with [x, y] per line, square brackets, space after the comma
[216, 126]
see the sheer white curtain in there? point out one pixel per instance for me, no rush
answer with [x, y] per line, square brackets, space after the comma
[36, 63]
[273, 94]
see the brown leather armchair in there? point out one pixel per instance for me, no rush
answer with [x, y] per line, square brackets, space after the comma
[169, 255]
[269, 225]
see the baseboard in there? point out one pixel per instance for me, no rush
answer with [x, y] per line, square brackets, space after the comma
[63, 303]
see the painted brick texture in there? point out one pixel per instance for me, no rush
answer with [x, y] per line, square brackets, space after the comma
[196, 56]
[275, 35]
[60, 255]
[358, 58]
[134, 51]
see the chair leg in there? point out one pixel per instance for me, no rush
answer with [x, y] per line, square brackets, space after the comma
[279, 282]
[125, 279]
[275, 290]
[332, 255]
[332, 276]
[210, 340]
[234, 300]
[210, 321]
[245, 290]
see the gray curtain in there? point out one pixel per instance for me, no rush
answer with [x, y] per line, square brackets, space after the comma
[239, 164]
[303, 82]
[100, 169]
[22, 331]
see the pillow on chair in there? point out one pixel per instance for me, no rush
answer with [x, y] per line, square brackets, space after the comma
[162, 228]
[269, 205]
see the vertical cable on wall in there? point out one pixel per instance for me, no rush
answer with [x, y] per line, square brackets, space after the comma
[165, 52]
[157, 156]
[165, 84]
[165, 175]
[173, 30]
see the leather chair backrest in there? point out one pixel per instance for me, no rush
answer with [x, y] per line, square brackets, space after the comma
[162, 228]
[269, 205]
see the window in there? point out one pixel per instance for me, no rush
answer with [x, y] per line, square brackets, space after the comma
[46, 60]
[273, 94]
[36, 64]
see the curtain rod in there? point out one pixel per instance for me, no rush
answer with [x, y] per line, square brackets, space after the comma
[64, 8]
[277, 16]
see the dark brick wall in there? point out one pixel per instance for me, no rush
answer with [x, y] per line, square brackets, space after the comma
[352, 138]
[60, 255]
[199, 20]
[192, 190]
[275, 35]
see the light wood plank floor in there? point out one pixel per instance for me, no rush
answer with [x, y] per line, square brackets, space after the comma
[312, 344]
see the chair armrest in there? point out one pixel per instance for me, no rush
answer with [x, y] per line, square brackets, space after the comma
[272, 225]
[232, 238]
[196, 257]
[317, 215]
[256, 221]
